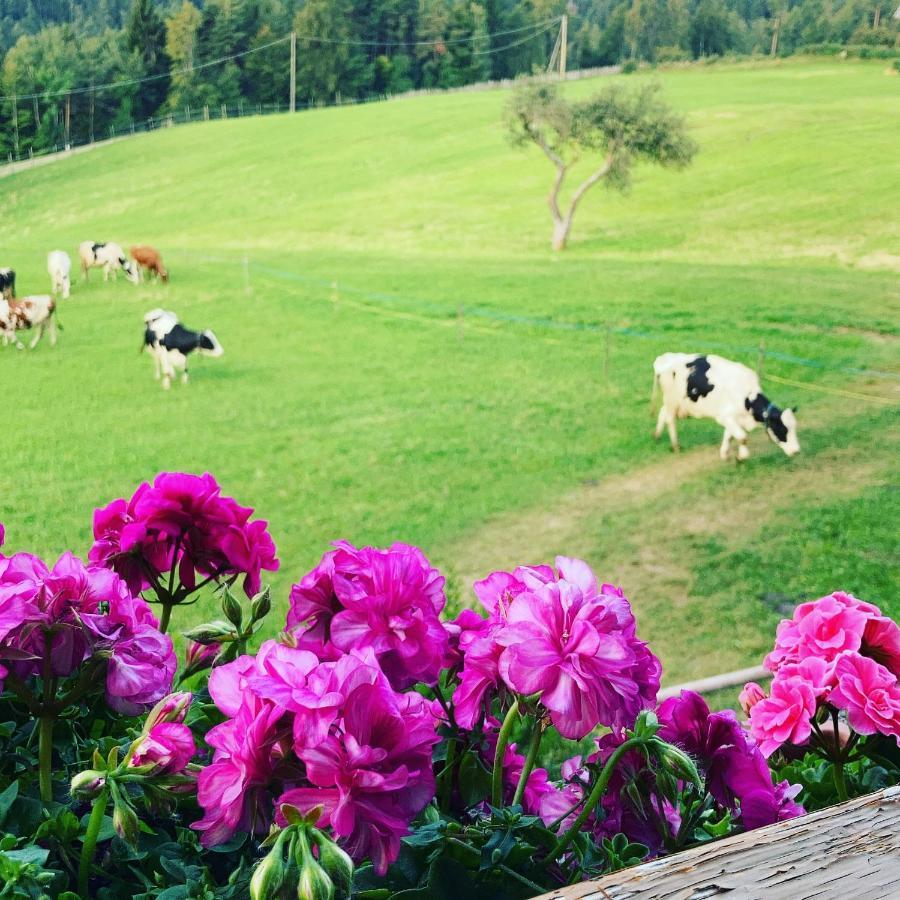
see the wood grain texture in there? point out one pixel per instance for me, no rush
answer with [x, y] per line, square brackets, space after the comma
[850, 851]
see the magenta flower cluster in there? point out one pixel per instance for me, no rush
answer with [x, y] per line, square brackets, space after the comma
[387, 601]
[559, 635]
[57, 619]
[183, 525]
[837, 653]
[331, 734]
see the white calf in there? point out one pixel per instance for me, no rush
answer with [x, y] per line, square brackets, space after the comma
[110, 257]
[710, 387]
[59, 267]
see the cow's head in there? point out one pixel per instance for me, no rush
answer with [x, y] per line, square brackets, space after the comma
[209, 344]
[132, 271]
[163, 274]
[781, 426]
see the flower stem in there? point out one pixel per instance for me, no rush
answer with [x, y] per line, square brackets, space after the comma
[164, 618]
[533, 749]
[839, 783]
[594, 798]
[90, 842]
[45, 757]
[502, 741]
[45, 729]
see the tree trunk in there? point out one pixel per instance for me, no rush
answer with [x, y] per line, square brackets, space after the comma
[561, 228]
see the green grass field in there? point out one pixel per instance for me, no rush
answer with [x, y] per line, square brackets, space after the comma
[488, 440]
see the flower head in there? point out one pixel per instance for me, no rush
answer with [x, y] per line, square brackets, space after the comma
[784, 716]
[167, 746]
[869, 692]
[386, 601]
[181, 523]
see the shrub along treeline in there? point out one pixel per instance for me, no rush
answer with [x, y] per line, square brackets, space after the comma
[368, 47]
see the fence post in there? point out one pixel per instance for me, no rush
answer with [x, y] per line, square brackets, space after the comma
[761, 359]
[206, 112]
[224, 111]
[247, 288]
[335, 296]
[460, 322]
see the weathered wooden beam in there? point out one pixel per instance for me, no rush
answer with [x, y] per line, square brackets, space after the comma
[845, 852]
[717, 682]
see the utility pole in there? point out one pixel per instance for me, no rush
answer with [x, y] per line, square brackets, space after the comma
[293, 97]
[563, 44]
[16, 124]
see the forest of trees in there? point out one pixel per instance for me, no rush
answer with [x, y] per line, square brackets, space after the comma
[53, 51]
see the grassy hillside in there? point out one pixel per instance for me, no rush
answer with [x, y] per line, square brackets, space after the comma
[486, 439]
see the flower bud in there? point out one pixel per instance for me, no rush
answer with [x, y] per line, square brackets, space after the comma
[198, 657]
[678, 762]
[125, 822]
[211, 633]
[750, 696]
[335, 861]
[313, 883]
[172, 708]
[268, 876]
[232, 608]
[261, 604]
[87, 784]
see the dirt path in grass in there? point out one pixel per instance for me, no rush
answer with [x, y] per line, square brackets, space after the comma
[646, 530]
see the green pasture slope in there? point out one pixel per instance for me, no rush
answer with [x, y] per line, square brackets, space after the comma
[486, 438]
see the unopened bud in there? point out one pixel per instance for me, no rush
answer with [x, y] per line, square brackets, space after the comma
[172, 708]
[87, 784]
[261, 604]
[678, 762]
[211, 633]
[335, 861]
[125, 822]
[750, 696]
[198, 657]
[314, 883]
[268, 876]
[232, 608]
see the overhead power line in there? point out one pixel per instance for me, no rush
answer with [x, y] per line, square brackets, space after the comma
[537, 28]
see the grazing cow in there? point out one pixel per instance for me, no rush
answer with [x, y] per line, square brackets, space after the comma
[171, 343]
[111, 257]
[149, 258]
[59, 267]
[710, 387]
[7, 283]
[28, 312]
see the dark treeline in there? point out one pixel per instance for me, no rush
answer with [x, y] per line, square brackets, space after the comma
[354, 49]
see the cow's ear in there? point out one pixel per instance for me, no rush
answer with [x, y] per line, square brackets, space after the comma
[794, 409]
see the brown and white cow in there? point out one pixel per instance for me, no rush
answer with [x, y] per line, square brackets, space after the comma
[27, 312]
[149, 258]
[710, 387]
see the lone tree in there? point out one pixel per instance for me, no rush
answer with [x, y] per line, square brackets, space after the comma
[616, 126]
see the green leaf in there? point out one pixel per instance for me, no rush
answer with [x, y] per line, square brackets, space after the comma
[30, 855]
[474, 780]
[7, 798]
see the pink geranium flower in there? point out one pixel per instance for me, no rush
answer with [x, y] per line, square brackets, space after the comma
[751, 694]
[783, 717]
[386, 601]
[168, 747]
[558, 644]
[234, 791]
[181, 522]
[373, 774]
[870, 694]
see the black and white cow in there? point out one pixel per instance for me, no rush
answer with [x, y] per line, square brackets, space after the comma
[171, 343]
[710, 387]
[110, 257]
[7, 283]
